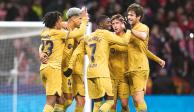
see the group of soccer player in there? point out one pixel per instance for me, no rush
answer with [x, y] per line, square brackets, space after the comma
[118, 60]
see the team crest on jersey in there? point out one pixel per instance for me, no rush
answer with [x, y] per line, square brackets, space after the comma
[70, 46]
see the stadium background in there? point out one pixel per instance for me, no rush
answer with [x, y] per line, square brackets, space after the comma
[171, 25]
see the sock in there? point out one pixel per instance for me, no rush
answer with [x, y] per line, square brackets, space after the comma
[106, 106]
[79, 108]
[67, 104]
[48, 108]
[112, 110]
[125, 110]
[58, 108]
[142, 107]
[97, 106]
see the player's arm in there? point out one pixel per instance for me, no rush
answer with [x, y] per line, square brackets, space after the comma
[112, 38]
[43, 56]
[40, 49]
[79, 50]
[77, 33]
[141, 33]
[119, 48]
[155, 58]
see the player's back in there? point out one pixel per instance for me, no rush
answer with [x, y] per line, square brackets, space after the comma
[97, 48]
[52, 45]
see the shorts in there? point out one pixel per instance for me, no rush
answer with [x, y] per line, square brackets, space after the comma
[137, 80]
[120, 89]
[78, 85]
[67, 84]
[52, 80]
[123, 90]
[99, 87]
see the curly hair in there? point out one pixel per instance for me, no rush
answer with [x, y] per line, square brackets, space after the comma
[51, 18]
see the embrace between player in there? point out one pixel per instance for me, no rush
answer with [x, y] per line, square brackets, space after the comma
[104, 72]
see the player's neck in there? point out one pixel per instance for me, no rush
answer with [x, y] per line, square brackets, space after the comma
[57, 28]
[120, 33]
[100, 28]
[135, 24]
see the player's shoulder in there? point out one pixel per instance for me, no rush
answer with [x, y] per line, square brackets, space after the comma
[101, 31]
[128, 32]
[45, 32]
[144, 26]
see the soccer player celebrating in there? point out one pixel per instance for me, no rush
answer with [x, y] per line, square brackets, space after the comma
[119, 56]
[75, 67]
[138, 66]
[118, 64]
[98, 75]
[52, 38]
[74, 20]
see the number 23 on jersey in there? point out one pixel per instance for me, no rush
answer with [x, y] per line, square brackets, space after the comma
[47, 47]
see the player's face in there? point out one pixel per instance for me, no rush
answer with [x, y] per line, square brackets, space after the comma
[77, 21]
[107, 24]
[132, 18]
[58, 23]
[117, 26]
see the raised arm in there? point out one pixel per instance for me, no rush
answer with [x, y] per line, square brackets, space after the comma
[81, 31]
[77, 33]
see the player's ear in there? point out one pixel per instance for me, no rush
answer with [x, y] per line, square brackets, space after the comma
[139, 18]
[123, 26]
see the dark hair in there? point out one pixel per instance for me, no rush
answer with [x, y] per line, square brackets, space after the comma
[118, 17]
[138, 9]
[101, 19]
[51, 18]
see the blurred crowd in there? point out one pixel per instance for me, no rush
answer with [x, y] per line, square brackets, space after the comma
[171, 24]
[19, 56]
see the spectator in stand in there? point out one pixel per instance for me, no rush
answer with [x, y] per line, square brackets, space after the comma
[163, 84]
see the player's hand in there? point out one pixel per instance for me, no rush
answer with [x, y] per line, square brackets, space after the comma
[162, 63]
[84, 13]
[67, 72]
[127, 24]
[64, 24]
[43, 58]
